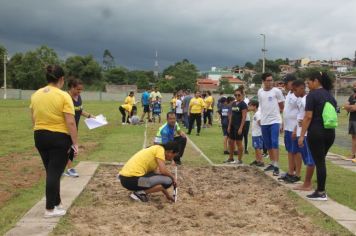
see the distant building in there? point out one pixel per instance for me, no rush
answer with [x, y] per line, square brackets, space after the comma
[346, 80]
[235, 82]
[304, 62]
[207, 85]
[286, 69]
[216, 73]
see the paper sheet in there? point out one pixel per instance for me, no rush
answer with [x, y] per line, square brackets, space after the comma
[96, 122]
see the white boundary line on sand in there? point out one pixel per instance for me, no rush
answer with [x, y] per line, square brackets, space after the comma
[145, 136]
[200, 151]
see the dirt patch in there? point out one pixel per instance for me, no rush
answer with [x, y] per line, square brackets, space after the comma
[211, 201]
[20, 171]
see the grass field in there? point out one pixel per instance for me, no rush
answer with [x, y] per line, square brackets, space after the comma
[113, 142]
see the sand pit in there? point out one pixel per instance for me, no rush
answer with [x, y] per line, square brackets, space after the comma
[211, 201]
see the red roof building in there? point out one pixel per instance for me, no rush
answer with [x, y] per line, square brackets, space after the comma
[207, 85]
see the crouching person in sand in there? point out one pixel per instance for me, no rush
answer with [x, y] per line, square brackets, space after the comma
[146, 171]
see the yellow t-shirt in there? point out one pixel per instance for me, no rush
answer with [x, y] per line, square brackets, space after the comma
[154, 94]
[127, 107]
[196, 105]
[49, 105]
[143, 162]
[209, 102]
[173, 102]
[130, 100]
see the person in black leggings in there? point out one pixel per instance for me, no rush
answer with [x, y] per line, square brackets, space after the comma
[319, 138]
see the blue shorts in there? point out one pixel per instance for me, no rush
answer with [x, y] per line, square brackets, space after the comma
[224, 130]
[257, 142]
[270, 135]
[306, 154]
[290, 144]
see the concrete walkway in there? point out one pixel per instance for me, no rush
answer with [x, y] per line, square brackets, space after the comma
[339, 160]
[34, 224]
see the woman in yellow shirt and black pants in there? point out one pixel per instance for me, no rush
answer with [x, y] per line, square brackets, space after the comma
[196, 108]
[55, 134]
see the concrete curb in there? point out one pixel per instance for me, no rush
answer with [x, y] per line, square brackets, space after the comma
[34, 224]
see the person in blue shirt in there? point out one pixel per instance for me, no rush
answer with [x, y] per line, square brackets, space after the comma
[171, 131]
[156, 110]
[145, 100]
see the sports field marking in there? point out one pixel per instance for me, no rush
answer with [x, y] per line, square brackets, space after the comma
[145, 136]
[200, 151]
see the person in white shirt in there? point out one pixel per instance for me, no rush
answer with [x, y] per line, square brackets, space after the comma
[271, 102]
[257, 141]
[289, 123]
[179, 109]
[299, 91]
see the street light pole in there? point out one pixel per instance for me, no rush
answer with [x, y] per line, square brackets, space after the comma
[264, 50]
[5, 92]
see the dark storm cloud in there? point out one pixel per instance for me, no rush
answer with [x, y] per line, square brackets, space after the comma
[206, 32]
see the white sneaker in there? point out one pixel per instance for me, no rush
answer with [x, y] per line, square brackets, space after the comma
[55, 213]
[60, 206]
[72, 173]
[123, 123]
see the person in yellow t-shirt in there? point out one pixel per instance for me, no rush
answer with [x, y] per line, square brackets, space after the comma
[196, 108]
[55, 133]
[140, 174]
[173, 102]
[209, 100]
[125, 108]
[130, 99]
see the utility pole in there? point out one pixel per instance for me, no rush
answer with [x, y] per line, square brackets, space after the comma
[156, 69]
[5, 60]
[264, 50]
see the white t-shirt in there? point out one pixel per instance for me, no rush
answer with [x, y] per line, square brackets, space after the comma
[179, 109]
[248, 117]
[269, 103]
[290, 112]
[256, 128]
[301, 113]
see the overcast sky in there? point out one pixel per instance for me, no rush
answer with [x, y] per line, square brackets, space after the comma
[208, 33]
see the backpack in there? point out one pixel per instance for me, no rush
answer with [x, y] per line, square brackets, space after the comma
[329, 116]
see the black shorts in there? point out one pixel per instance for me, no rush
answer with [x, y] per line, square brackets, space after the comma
[233, 135]
[146, 108]
[145, 182]
[352, 127]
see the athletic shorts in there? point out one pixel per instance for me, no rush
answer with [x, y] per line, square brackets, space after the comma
[257, 142]
[290, 144]
[146, 108]
[233, 135]
[145, 182]
[306, 154]
[270, 135]
[352, 127]
[224, 130]
[156, 113]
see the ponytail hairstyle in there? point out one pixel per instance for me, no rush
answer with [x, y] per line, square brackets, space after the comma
[323, 79]
[54, 73]
[73, 83]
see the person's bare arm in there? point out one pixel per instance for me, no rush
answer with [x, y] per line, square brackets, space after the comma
[305, 125]
[281, 106]
[163, 169]
[32, 118]
[244, 113]
[72, 128]
[87, 115]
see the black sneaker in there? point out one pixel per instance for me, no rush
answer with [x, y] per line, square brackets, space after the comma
[316, 196]
[275, 171]
[226, 152]
[254, 163]
[292, 179]
[246, 152]
[270, 167]
[284, 177]
[140, 196]
[260, 164]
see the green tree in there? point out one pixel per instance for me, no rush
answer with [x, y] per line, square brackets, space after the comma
[27, 71]
[117, 75]
[249, 65]
[140, 78]
[184, 76]
[85, 68]
[225, 86]
[305, 72]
